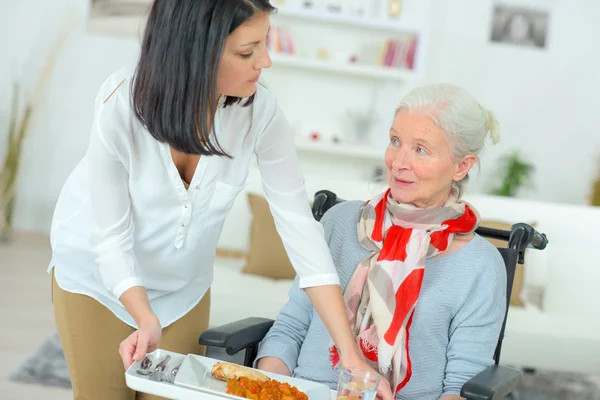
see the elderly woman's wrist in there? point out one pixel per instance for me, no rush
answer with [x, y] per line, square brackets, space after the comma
[350, 355]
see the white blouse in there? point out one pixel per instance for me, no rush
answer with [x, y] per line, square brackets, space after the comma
[124, 217]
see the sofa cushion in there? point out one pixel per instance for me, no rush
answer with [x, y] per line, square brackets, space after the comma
[516, 297]
[574, 280]
[266, 255]
[542, 340]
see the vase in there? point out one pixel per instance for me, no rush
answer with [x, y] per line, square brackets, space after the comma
[395, 7]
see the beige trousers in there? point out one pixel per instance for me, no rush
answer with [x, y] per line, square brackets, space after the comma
[90, 335]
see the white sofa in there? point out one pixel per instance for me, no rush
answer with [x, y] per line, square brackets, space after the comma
[561, 332]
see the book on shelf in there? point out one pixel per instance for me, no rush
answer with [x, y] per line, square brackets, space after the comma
[399, 53]
[279, 40]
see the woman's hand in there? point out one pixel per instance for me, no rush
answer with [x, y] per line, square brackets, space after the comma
[275, 365]
[141, 342]
[355, 361]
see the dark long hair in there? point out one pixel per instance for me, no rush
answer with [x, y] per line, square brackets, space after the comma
[174, 89]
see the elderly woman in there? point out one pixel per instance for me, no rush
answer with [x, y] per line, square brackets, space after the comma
[425, 295]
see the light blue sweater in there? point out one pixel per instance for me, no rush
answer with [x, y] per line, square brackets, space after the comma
[455, 327]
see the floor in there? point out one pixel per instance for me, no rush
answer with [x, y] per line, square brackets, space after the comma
[25, 311]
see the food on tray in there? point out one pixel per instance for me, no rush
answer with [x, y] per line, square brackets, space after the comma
[270, 390]
[225, 371]
[254, 385]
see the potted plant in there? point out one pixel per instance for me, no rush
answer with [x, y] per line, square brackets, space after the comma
[516, 173]
[17, 129]
[19, 122]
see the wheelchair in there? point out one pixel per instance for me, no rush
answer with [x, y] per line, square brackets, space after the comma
[240, 339]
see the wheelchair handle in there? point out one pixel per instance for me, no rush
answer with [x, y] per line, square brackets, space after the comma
[528, 237]
[539, 240]
[323, 201]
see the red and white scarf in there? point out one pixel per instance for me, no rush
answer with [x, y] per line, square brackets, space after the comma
[383, 291]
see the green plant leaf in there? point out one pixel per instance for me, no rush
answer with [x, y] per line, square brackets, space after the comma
[516, 173]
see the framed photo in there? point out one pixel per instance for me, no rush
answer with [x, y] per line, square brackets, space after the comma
[519, 26]
[120, 7]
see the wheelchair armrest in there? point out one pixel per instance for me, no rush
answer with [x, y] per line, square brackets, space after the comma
[237, 335]
[495, 382]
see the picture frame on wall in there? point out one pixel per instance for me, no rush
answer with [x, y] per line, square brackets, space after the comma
[120, 7]
[520, 26]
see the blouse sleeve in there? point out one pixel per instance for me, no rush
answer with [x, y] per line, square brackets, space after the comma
[283, 183]
[112, 223]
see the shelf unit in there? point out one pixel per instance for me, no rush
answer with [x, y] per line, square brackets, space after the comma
[337, 18]
[361, 23]
[365, 152]
[359, 70]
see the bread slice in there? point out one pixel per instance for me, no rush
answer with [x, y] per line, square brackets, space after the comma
[225, 371]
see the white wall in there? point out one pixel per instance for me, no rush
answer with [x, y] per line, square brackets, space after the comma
[543, 98]
[59, 133]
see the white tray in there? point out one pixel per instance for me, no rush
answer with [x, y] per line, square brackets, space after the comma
[195, 374]
[188, 384]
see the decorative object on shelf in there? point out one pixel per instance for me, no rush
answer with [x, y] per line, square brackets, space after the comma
[395, 9]
[322, 54]
[307, 3]
[20, 119]
[335, 8]
[399, 53]
[315, 136]
[336, 139]
[279, 40]
[353, 58]
[516, 173]
[360, 126]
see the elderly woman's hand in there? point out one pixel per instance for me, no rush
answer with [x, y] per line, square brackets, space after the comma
[384, 391]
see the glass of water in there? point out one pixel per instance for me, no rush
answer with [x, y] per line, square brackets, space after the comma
[357, 385]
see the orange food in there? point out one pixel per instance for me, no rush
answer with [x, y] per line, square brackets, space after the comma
[270, 390]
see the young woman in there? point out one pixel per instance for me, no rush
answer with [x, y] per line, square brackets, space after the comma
[136, 225]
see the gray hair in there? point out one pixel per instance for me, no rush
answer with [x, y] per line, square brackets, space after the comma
[459, 114]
